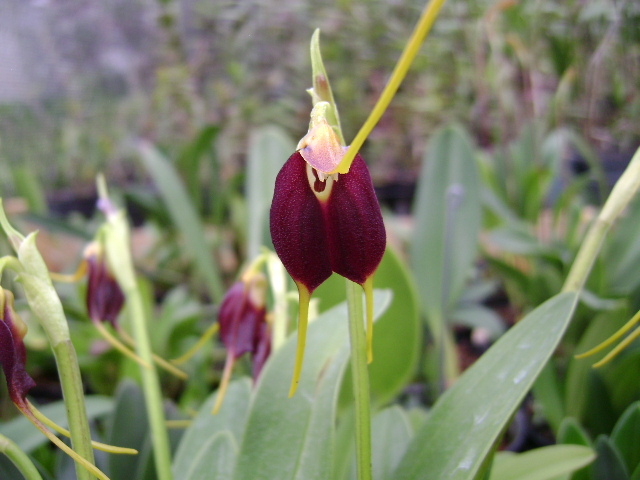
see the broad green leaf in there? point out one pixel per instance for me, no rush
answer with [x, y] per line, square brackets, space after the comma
[397, 333]
[293, 438]
[184, 216]
[390, 435]
[544, 463]
[198, 440]
[128, 428]
[626, 436]
[609, 464]
[448, 216]
[28, 437]
[269, 148]
[548, 394]
[466, 421]
[215, 459]
[572, 433]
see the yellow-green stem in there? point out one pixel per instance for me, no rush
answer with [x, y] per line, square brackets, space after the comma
[20, 459]
[360, 375]
[73, 394]
[623, 192]
[400, 71]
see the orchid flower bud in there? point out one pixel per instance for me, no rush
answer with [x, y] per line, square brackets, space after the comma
[104, 296]
[13, 354]
[243, 326]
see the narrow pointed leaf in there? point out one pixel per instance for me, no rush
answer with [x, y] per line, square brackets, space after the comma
[448, 215]
[184, 216]
[546, 463]
[465, 422]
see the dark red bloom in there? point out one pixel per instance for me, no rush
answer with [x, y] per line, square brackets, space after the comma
[242, 318]
[13, 354]
[323, 222]
[104, 296]
[243, 327]
[322, 227]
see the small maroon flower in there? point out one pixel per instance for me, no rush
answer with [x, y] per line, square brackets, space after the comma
[324, 222]
[243, 327]
[104, 296]
[13, 354]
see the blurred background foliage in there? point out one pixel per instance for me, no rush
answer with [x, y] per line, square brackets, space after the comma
[85, 81]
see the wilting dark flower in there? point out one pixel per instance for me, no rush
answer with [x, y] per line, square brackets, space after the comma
[323, 222]
[13, 354]
[104, 296]
[243, 327]
[104, 303]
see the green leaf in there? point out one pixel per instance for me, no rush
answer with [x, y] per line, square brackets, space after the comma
[294, 438]
[448, 216]
[397, 335]
[28, 437]
[572, 433]
[469, 417]
[544, 463]
[548, 394]
[188, 162]
[128, 428]
[609, 464]
[390, 433]
[578, 370]
[269, 148]
[626, 436]
[215, 459]
[184, 215]
[199, 439]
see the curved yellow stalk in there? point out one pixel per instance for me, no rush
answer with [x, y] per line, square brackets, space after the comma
[91, 468]
[303, 309]
[224, 383]
[118, 345]
[97, 445]
[399, 72]
[206, 336]
[80, 272]
[161, 362]
[627, 326]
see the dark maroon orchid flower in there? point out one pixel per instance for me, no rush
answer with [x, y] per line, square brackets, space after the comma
[243, 327]
[13, 354]
[104, 296]
[324, 222]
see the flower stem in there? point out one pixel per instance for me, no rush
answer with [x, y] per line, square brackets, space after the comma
[400, 71]
[623, 192]
[72, 391]
[19, 459]
[150, 383]
[117, 240]
[360, 375]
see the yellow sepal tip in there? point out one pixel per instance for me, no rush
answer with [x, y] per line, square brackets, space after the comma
[303, 313]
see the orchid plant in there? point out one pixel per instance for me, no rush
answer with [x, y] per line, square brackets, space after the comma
[324, 219]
